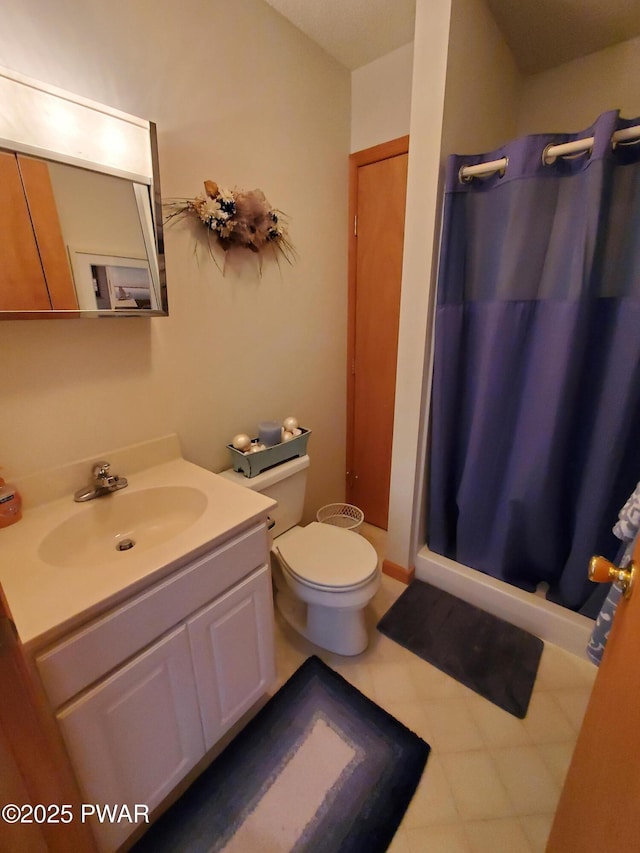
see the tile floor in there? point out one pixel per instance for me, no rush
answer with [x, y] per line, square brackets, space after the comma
[492, 781]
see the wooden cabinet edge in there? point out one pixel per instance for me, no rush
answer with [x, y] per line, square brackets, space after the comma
[28, 729]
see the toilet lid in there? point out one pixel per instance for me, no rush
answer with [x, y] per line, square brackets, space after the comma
[328, 556]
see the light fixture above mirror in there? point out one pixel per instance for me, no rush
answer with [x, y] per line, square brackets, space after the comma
[80, 207]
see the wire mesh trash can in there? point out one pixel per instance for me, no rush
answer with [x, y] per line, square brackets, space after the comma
[341, 515]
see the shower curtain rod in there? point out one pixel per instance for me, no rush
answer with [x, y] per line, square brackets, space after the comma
[549, 155]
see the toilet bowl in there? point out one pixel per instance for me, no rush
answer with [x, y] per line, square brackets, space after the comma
[324, 576]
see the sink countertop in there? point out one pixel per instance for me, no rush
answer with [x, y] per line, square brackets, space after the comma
[47, 601]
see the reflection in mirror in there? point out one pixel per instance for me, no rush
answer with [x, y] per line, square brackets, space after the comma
[103, 235]
[80, 214]
[106, 282]
[83, 235]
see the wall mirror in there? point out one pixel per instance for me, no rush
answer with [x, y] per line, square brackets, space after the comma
[80, 207]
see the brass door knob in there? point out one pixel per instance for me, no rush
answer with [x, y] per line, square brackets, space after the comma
[602, 570]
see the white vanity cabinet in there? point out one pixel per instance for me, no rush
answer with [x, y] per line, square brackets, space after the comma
[232, 652]
[134, 736]
[143, 692]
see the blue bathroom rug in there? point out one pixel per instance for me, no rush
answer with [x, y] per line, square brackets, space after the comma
[495, 659]
[319, 769]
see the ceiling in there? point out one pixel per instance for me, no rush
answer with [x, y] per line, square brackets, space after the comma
[546, 33]
[540, 33]
[354, 32]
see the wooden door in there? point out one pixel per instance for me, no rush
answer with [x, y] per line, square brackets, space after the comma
[599, 809]
[233, 655]
[34, 768]
[378, 193]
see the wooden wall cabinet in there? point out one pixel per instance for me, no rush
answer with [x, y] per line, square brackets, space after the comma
[34, 268]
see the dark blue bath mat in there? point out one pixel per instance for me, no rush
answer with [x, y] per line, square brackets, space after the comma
[490, 656]
[320, 769]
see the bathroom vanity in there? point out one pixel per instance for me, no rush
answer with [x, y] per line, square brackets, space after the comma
[147, 659]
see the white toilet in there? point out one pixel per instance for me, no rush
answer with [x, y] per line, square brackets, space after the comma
[324, 575]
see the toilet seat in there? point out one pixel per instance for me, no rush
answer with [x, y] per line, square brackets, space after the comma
[326, 557]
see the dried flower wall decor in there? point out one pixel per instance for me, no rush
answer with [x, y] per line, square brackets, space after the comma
[236, 219]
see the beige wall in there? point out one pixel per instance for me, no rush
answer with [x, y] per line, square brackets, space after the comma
[568, 98]
[242, 97]
[465, 86]
[483, 83]
[381, 99]
[427, 110]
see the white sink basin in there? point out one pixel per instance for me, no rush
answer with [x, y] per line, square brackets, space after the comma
[59, 566]
[103, 530]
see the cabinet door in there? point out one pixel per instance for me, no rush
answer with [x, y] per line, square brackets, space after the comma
[232, 647]
[22, 284]
[48, 232]
[133, 737]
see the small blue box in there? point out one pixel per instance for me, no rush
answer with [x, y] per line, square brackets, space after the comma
[252, 464]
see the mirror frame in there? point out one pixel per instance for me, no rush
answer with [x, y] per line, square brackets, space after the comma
[53, 124]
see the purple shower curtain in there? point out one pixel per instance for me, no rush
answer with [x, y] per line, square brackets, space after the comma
[535, 416]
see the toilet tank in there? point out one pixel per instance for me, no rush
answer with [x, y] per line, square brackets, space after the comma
[285, 483]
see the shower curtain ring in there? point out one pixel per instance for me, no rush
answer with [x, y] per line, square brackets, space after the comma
[462, 178]
[548, 159]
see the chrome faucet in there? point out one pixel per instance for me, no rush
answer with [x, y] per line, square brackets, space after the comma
[103, 483]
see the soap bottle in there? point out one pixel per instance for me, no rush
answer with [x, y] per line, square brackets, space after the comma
[10, 504]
